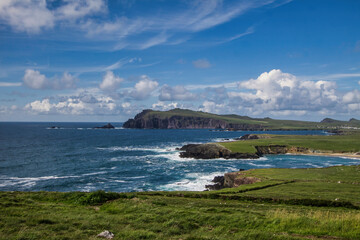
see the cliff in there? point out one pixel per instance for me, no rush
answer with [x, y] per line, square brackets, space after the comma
[187, 119]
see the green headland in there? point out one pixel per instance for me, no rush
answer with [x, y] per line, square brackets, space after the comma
[183, 118]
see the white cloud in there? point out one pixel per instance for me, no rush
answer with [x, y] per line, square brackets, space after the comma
[278, 91]
[110, 82]
[201, 63]
[143, 88]
[213, 107]
[35, 80]
[156, 40]
[162, 106]
[10, 84]
[352, 97]
[75, 9]
[39, 106]
[248, 31]
[33, 16]
[172, 26]
[26, 15]
[82, 104]
[168, 93]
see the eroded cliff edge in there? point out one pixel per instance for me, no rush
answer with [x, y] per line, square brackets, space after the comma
[184, 119]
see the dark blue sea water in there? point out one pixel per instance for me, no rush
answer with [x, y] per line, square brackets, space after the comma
[77, 157]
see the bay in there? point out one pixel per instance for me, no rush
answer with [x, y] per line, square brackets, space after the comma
[76, 157]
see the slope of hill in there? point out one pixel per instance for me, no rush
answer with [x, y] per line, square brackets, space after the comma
[188, 119]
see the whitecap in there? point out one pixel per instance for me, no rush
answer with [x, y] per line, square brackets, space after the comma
[191, 182]
[131, 148]
[118, 181]
[94, 173]
[261, 165]
[27, 181]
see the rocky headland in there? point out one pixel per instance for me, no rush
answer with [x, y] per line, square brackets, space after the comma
[212, 151]
[188, 119]
[149, 119]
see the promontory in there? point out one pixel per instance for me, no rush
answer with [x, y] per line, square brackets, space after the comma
[188, 119]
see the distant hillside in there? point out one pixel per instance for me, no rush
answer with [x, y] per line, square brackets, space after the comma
[187, 119]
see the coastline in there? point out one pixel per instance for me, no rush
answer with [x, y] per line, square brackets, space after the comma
[342, 155]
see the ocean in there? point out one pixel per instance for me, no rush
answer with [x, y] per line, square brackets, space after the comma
[76, 157]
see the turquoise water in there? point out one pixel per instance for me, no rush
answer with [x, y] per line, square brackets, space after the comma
[76, 157]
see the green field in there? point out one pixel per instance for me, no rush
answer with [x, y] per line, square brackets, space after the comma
[286, 204]
[349, 143]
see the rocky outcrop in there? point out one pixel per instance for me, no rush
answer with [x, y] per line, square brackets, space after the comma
[229, 180]
[219, 183]
[252, 137]
[271, 149]
[235, 179]
[214, 150]
[211, 151]
[107, 126]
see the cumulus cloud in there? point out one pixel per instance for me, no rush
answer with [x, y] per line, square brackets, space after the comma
[32, 16]
[201, 63]
[143, 88]
[110, 82]
[213, 107]
[39, 106]
[83, 104]
[352, 97]
[278, 91]
[26, 16]
[162, 106]
[35, 80]
[168, 93]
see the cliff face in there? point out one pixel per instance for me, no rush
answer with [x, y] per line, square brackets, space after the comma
[174, 122]
[146, 120]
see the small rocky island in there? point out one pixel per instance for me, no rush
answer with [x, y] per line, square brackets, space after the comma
[107, 126]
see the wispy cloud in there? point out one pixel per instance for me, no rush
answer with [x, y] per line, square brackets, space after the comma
[334, 77]
[248, 31]
[10, 84]
[173, 26]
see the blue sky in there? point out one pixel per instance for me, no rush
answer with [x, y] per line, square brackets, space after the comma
[98, 60]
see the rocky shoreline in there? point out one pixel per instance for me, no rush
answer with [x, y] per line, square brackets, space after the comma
[235, 179]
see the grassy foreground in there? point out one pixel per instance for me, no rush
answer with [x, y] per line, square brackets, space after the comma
[348, 143]
[286, 204]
